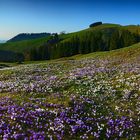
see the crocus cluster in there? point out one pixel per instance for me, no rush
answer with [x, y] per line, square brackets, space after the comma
[75, 99]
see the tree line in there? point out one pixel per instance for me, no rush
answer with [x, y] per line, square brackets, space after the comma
[9, 56]
[88, 42]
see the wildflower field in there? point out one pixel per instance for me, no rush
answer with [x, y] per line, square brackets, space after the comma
[89, 97]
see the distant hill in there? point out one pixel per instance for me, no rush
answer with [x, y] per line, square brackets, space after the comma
[9, 56]
[2, 41]
[24, 46]
[103, 37]
[28, 36]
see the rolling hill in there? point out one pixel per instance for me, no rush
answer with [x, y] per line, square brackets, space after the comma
[23, 46]
[102, 35]
[28, 36]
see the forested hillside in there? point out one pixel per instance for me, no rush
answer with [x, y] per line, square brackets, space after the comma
[102, 37]
[87, 41]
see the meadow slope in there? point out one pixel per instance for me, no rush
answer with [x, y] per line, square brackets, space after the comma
[93, 96]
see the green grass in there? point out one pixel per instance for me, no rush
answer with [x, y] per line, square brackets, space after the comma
[8, 64]
[102, 27]
[23, 46]
[132, 28]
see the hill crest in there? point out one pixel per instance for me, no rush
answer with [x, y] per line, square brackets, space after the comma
[28, 36]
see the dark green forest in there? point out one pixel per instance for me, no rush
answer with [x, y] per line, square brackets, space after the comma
[9, 56]
[106, 40]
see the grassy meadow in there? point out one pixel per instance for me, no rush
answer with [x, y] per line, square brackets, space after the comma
[91, 96]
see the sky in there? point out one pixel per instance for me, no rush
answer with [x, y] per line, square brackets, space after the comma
[34, 16]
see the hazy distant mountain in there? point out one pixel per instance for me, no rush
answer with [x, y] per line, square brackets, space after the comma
[2, 41]
[28, 36]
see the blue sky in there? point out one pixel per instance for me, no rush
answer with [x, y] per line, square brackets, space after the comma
[18, 16]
